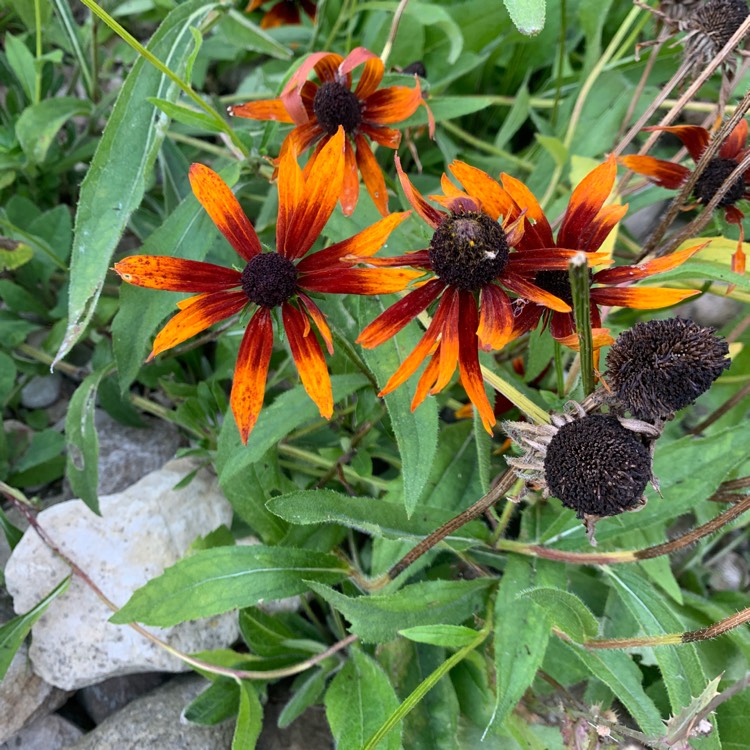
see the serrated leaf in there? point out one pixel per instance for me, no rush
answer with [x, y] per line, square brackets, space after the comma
[219, 580]
[527, 15]
[82, 461]
[680, 726]
[565, 611]
[379, 618]
[116, 181]
[14, 632]
[449, 636]
[359, 699]
[249, 718]
[38, 124]
[376, 517]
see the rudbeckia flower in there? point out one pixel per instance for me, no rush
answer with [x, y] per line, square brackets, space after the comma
[586, 224]
[283, 12]
[673, 176]
[317, 110]
[473, 262]
[282, 278]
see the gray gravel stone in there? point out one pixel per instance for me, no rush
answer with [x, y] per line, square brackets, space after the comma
[51, 732]
[41, 391]
[104, 698]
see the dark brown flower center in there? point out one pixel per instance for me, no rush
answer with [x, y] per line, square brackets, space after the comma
[661, 366]
[597, 467]
[468, 250]
[713, 177]
[334, 104]
[269, 279]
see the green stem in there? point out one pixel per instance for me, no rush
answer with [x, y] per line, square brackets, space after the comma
[38, 67]
[578, 272]
[526, 405]
[559, 372]
[127, 37]
[560, 61]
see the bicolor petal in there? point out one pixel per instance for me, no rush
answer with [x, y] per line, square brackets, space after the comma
[663, 173]
[431, 215]
[372, 175]
[176, 274]
[694, 137]
[640, 298]
[495, 318]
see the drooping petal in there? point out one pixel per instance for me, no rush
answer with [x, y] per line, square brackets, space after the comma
[495, 318]
[529, 291]
[263, 109]
[622, 274]
[734, 216]
[601, 226]
[415, 358]
[328, 68]
[372, 75]
[447, 354]
[358, 280]
[225, 210]
[640, 298]
[325, 65]
[196, 317]
[527, 319]
[427, 379]
[291, 187]
[321, 192]
[388, 137]
[372, 175]
[562, 325]
[309, 359]
[392, 320]
[361, 245]
[585, 203]
[176, 274]
[693, 137]
[302, 137]
[663, 173]
[431, 215]
[250, 372]
[391, 104]
[350, 186]
[735, 142]
[496, 202]
[468, 359]
[318, 318]
[538, 231]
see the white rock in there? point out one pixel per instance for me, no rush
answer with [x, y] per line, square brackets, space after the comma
[48, 733]
[142, 530]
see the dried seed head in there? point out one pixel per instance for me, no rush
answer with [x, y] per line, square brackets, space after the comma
[677, 9]
[710, 26]
[660, 366]
[715, 174]
[597, 467]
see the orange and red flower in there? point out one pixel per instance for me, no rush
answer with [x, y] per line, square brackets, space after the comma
[317, 110]
[586, 224]
[281, 278]
[474, 261]
[283, 12]
[672, 176]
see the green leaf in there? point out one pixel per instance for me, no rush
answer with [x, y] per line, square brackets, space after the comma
[565, 611]
[186, 115]
[415, 431]
[72, 34]
[527, 15]
[13, 534]
[449, 108]
[116, 180]
[225, 578]
[450, 636]
[704, 270]
[38, 124]
[21, 62]
[14, 254]
[429, 14]
[734, 719]
[244, 33]
[554, 147]
[249, 718]
[376, 517]
[621, 675]
[521, 631]
[379, 618]
[307, 694]
[14, 632]
[214, 704]
[359, 699]
[82, 464]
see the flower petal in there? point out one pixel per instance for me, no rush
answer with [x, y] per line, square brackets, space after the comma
[176, 274]
[321, 191]
[426, 382]
[640, 298]
[282, 14]
[388, 137]
[358, 280]
[250, 372]
[623, 274]
[431, 215]
[527, 319]
[585, 203]
[663, 173]
[372, 75]
[468, 359]
[325, 65]
[372, 175]
[495, 318]
[549, 259]
[415, 258]
[362, 245]
[529, 291]
[496, 202]
[392, 320]
[263, 109]
[601, 337]
[694, 137]
[350, 186]
[598, 231]
[391, 104]
[309, 359]
[447, 354]
[225, 211]
[196, 317]
[318, 318]
[538, 231]
[735, 142]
